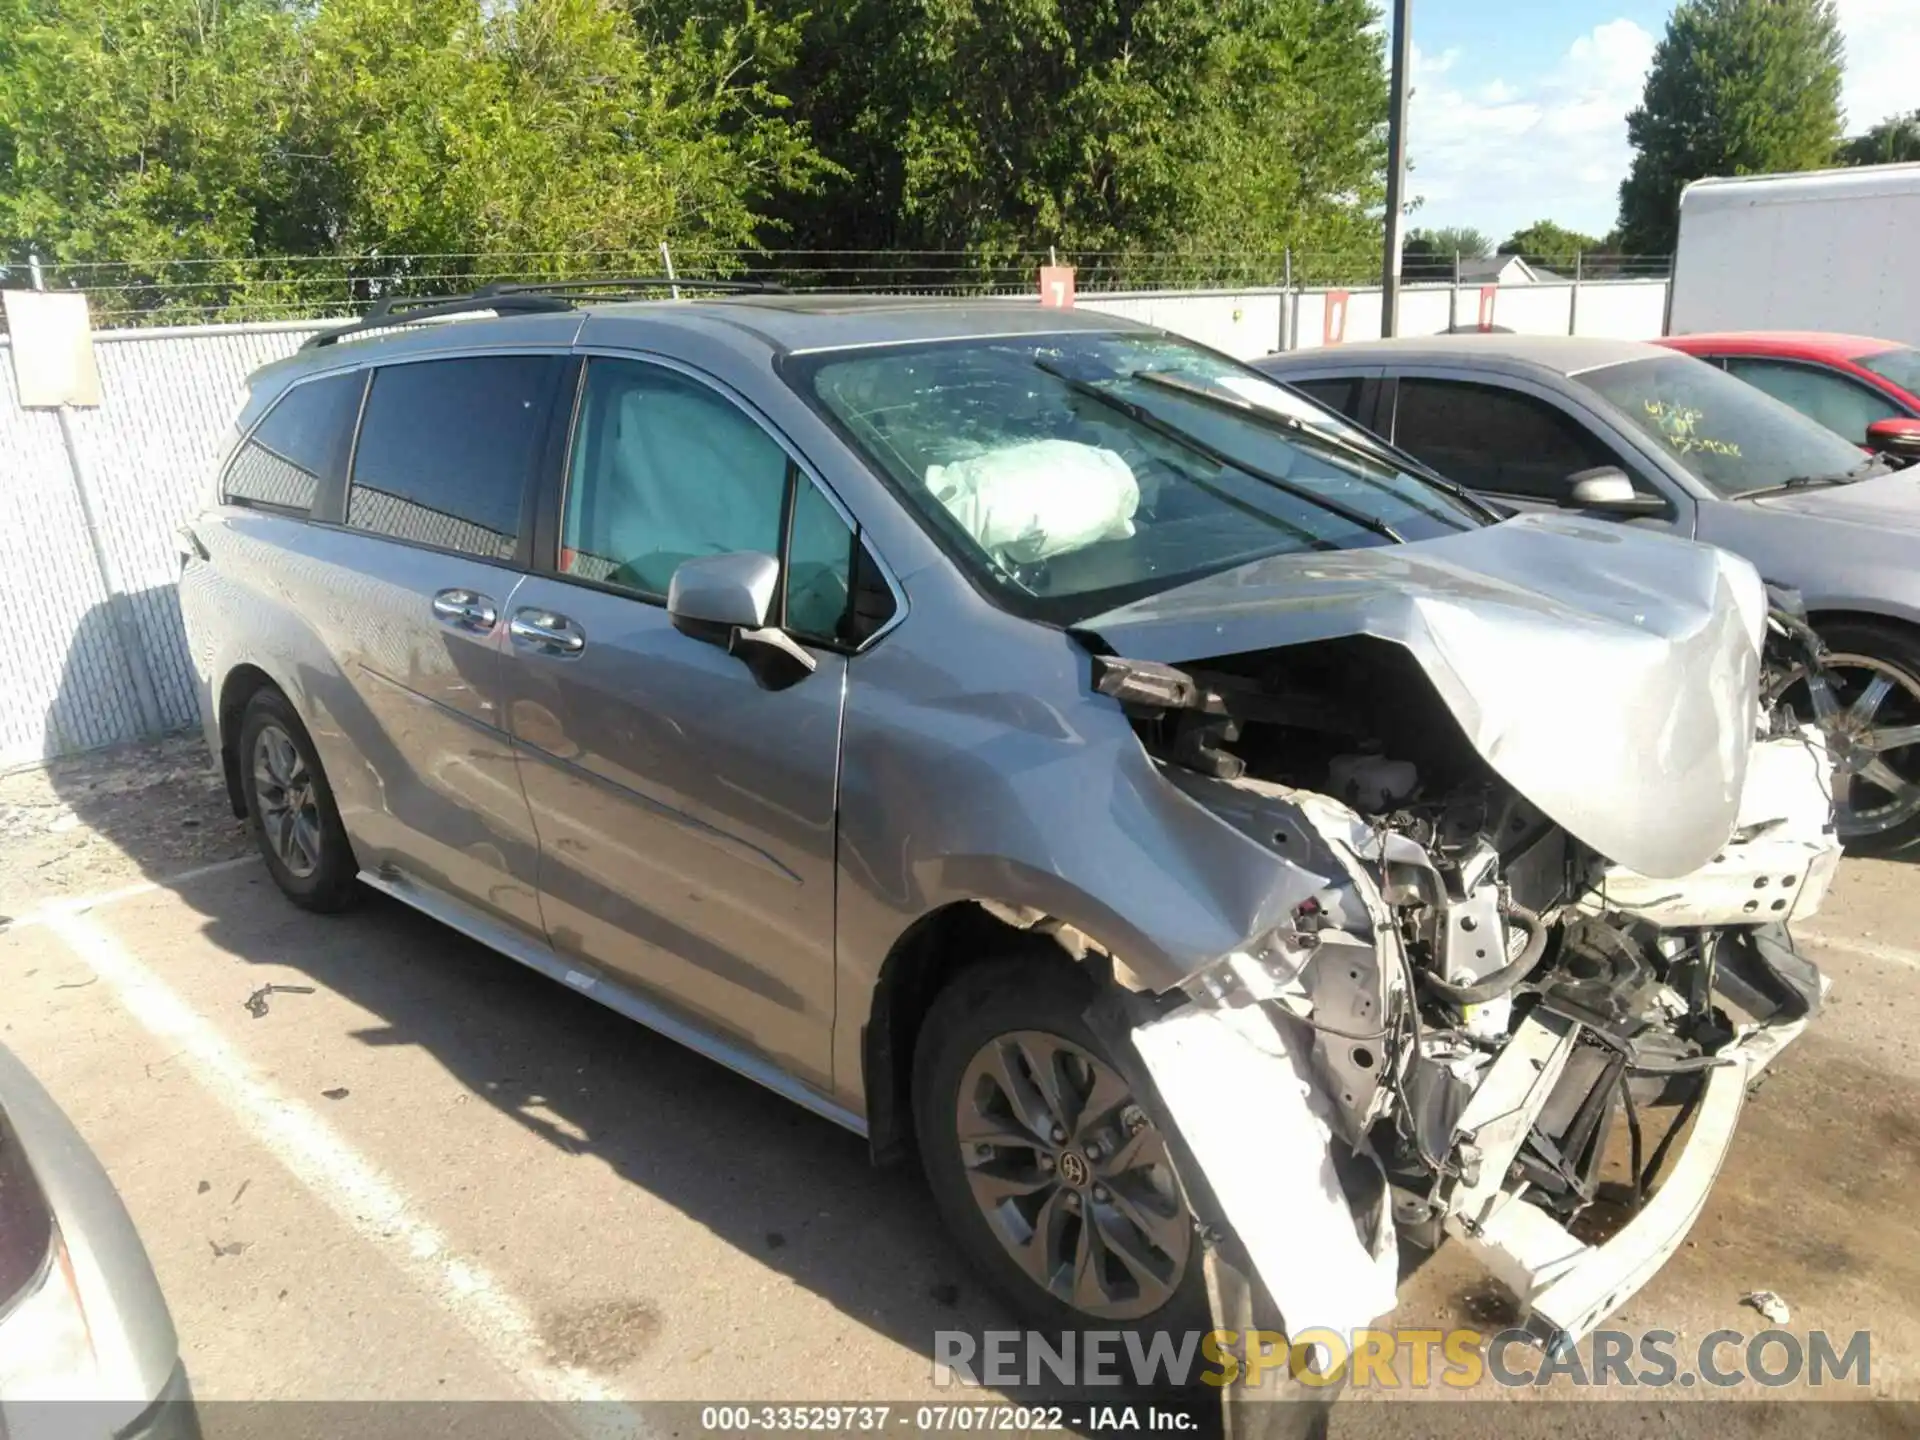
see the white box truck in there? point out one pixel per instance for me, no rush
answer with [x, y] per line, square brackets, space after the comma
[1825, 250]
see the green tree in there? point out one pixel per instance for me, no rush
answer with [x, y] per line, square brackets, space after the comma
[1737, 87]
[1891, 141]
[1548, 244]
[1429, 254]
[1448, 240]
[545, 137]
[1222, 129]
[142, 130]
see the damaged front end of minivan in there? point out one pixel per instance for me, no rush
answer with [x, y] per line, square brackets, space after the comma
[1544, 853]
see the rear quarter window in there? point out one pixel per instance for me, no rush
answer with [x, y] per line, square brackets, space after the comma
[302, 441]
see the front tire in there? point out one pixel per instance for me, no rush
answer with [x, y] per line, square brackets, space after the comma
[1871, 716]
[295, 821]
[1047, 1172]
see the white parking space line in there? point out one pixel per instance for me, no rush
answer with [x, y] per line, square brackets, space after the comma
[365, 1199]
[1868, 949]
[80, 904]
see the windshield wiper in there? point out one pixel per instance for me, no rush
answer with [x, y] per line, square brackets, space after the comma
[1147, 420]
[1327, 439]
[1865, 470]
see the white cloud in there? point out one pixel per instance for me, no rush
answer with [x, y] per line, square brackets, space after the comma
[1883, 60]
[1498, 153]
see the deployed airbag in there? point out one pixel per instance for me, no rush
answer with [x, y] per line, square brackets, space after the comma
[1038, 499]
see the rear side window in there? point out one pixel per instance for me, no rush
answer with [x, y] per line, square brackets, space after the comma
[447, 448]
[1340, 393]
[1493, 439]
[302, 441]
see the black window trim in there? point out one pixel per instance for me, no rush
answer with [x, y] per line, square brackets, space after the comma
[1648, 472]
[551, 496]
[323, 485]
[337, 519]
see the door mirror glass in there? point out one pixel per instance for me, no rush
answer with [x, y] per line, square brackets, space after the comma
[721, 592]
[1898, 438]
[1606, 487]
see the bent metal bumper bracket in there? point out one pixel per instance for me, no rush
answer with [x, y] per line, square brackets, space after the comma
[1568, 1287]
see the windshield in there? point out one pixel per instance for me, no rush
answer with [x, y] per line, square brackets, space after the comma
[1901, 366]
[1078, 472]
[1734, 438]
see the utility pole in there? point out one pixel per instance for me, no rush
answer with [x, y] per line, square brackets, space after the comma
[1396, 167]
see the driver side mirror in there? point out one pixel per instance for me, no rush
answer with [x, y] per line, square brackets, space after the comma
[1897, 437]
[1607, 489]
[724, 600]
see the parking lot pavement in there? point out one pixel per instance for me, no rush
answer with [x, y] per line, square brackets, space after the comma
[439, 1175]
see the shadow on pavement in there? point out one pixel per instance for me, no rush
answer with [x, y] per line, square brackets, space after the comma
[771, 1180]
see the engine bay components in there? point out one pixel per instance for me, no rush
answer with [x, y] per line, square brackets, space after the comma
[1513, 1033]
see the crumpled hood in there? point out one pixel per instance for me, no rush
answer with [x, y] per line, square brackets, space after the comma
[1608, 674]
[1885, 502]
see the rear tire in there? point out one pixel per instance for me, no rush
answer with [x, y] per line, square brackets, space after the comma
[1068, 1162]
[295, 821]
[1875, 670]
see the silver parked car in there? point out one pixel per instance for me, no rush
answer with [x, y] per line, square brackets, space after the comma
[1017, 735]
[1615, 428]
[87, 1347]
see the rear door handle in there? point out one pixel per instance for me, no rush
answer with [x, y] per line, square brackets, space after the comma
[465, 610]
[545, 631]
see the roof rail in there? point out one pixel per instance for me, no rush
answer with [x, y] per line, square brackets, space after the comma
[530, 298]
[396, 311]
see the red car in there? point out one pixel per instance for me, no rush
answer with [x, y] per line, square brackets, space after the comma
[1867, 390]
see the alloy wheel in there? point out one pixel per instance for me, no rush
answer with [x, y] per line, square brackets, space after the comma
[1869, 711]
[1071, 1175]
[284, 795]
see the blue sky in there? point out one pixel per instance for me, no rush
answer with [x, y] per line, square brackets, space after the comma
[1519, 113]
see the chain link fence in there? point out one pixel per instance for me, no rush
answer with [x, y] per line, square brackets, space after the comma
[179, 292]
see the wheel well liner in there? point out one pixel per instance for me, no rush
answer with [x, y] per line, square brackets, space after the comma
[922, 962]
[1817, 618]
[243, 682]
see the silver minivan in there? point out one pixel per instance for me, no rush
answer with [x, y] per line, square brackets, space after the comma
[1215, 844]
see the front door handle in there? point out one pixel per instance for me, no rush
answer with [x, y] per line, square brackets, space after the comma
[465, 610]
[548, 632]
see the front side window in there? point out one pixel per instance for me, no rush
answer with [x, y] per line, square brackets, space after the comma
[447, 449]
[302, 441]
[665, 469]
[1844, 406]
[1494, 439]
[1733, 438]
[1076, 472]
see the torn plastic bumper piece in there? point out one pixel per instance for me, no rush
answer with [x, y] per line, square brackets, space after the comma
[1567, 1287]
